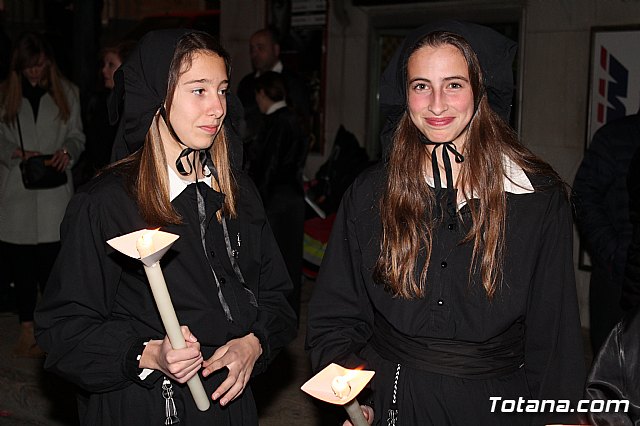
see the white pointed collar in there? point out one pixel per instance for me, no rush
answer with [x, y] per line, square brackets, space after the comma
[177, 184]
[515, 180]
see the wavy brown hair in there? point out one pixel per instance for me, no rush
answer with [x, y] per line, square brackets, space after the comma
[408, 204]
[147, 167]
[29, 49]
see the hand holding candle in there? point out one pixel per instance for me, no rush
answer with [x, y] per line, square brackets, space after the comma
[150, 246]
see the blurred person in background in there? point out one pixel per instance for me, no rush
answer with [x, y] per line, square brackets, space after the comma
[41, 107]
[275, 162]
[601, 200]
[99, 129]
[264, 49]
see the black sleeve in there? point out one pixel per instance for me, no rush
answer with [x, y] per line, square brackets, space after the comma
[276, 324]
[85, 344]
[614, 373]
[594, 179]
[631, 286]
[554, 357]
[340, 318]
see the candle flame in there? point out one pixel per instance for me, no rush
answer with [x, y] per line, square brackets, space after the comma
[340, 384]
[145, 243]
[147, 237]
[351, 374]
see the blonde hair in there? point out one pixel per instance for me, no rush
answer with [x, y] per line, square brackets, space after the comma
[30, 47]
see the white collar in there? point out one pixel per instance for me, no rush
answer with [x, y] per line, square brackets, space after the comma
[177, 184]
[275, 106]
[515, 180]
[276, 68]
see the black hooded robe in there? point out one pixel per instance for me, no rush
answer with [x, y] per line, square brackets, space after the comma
[98, 309]
[351, 315]
[538, 297]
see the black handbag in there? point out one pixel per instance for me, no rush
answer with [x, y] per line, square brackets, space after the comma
[37, 172]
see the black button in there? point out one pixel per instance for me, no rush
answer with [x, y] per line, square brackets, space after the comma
[451, 226]
[440, 302]
[222, 280]
[443, 264]
[212, 253]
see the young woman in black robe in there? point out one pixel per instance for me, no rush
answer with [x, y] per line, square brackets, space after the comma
[449, 271]
[98, 321]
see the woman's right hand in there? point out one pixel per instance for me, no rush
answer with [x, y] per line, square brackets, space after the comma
[179, 364]
[368, 415]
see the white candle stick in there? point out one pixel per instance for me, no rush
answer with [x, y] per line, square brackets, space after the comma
[355, 413]
[341, 388]
[142, 243]
[168, 314]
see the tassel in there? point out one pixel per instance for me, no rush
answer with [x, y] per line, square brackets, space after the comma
[169, 405]
[392, 416]
[392, 413]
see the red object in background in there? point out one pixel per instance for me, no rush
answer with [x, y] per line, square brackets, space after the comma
[316, 236]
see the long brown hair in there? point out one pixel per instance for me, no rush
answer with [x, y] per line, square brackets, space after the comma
[148, 165]
[29, 48]
[408, 204]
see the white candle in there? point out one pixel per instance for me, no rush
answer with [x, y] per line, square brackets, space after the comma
[145, 244]
[355, 413]
[341, 388]
[168, 314]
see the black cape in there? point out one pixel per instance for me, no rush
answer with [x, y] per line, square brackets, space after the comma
[538, 296]
[98, 308]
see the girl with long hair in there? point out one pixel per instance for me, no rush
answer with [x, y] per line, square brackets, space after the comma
[449, 271]
[39, 114]
[227, 281]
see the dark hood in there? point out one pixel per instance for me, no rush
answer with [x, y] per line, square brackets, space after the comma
[141, 88]
[495, 53]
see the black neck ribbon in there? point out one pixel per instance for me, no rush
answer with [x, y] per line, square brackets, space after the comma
[204, 159]
[447, 147]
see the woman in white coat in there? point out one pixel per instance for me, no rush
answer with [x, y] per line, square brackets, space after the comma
[41, 108]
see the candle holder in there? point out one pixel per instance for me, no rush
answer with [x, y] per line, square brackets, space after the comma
[340, 386]
[149, 246]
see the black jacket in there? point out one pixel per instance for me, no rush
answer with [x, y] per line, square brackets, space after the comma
[600, 195]
[631, 287]
[298, 98]
[276, 158]
[615, 374]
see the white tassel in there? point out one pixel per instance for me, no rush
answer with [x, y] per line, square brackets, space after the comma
[392, 413]
[170, 411]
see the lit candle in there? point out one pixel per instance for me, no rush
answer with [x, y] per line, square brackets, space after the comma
[145, 248]
[341, 388]
[337, 385]
[144, 245]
